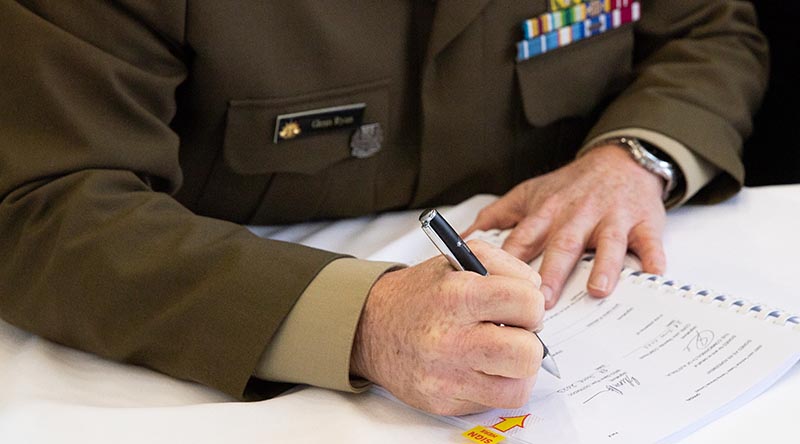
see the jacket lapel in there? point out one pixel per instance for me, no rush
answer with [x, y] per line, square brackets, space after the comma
[452, 16]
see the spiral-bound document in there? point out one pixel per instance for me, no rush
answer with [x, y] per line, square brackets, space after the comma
[651, 363]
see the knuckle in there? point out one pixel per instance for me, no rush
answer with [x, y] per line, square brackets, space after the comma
[489, 216]
[647, 246]
[550, 205]
[536, 219]
[532, 304]
[503, 293]
[458, 301]
[535, 277]
[473, 304]
[538, 308]
[607, 262]
[652, 249]
[531, 227]
[517, 237]
[645, 231]
[453, 288]
[639, 238]
[588, 208]
[570, 244]
[526, 361]
[484, 213]
[613, 235]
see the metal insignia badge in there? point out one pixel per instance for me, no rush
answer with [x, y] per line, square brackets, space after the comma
[366, 140]
[595, 8]
[290, 130]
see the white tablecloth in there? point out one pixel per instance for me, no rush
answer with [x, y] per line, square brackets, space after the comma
[52, 394]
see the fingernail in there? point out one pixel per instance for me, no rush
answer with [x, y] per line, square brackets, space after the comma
[600, 283]
[547, 292]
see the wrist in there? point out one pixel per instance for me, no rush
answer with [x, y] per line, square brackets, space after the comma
[363, 358]
[653, 160]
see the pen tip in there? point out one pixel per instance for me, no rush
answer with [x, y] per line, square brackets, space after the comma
[549, 364]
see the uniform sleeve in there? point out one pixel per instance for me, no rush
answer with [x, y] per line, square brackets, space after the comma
[97, 255]
[700, 72]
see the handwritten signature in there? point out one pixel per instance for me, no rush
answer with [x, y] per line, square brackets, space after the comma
[700, 340]
[619, 386]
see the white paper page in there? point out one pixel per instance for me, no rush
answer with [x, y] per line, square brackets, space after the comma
[643, 365]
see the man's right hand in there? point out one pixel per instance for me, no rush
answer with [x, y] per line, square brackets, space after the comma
[432, 336]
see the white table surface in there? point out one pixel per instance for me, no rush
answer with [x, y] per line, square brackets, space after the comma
[746, 246]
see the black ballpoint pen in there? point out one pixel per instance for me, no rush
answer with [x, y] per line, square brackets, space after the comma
[450, 244]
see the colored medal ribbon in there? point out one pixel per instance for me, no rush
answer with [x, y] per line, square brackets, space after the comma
[583, 19]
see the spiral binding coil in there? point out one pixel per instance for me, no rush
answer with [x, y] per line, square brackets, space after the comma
[722, 300]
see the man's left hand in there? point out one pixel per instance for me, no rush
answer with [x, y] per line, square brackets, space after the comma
[603, 200]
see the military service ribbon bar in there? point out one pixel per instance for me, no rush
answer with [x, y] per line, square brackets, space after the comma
[559, 5]
[569, 12]
[574, 27]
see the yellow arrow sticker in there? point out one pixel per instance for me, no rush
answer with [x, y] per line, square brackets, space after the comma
[482, 435]
[509, 423]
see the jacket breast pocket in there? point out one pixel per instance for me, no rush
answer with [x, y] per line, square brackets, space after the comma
[249, 147]
[573, 80]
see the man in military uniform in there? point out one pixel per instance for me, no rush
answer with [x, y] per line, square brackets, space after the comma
[137, 135]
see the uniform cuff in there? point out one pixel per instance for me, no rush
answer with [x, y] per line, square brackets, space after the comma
[314, 343]
[697, 172]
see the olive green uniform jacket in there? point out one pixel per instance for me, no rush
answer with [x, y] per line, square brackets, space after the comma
[136, 137]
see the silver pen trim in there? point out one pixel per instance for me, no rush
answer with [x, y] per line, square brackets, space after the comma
[440, 245]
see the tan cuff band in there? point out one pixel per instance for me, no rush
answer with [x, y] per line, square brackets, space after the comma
[314, 343]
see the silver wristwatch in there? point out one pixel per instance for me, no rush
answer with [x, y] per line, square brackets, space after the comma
[648, 161]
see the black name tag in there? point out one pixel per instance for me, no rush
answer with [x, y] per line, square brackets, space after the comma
[307, 123]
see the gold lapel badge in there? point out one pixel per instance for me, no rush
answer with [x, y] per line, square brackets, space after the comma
[290, 130]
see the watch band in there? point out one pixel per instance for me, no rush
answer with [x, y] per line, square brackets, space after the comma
[648, 160]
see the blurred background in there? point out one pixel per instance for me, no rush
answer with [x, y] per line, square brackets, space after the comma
[772, 155]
